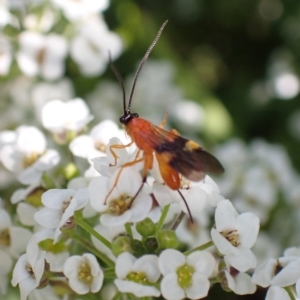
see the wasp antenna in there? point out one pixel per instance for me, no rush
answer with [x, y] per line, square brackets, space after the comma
[120, 79]
[143, 61]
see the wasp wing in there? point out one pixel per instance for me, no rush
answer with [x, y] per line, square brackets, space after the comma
[183, 155]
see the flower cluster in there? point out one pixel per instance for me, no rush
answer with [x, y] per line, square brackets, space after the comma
[84, 221]
[135, 232]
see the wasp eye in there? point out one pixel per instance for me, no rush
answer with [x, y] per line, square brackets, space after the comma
[123, 119]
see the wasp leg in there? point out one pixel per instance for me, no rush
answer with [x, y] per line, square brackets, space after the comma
[186, 205]
[164, 121]
[129, 164]
[148, 163]
[114, 153]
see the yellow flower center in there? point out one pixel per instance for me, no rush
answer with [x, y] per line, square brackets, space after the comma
[100, 146]
[5, 237]
[30, 159]
[84, 274]
[65, 205]
[29, 269]
[138, 277]
[232, 236]
[185, 273]
[40, 56]
[119, 205]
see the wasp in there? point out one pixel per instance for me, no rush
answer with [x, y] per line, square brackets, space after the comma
[175, 155]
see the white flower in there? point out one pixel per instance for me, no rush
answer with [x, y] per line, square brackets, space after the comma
[94, 144]
[185, 277]
[60, 206]
[196, 233]
[26, 210]
[107, 166]
[84, 273]
[73, 116]
[92, 45]
[43, 92]
[118, 208]
[79, 183]
[289, 275]
[277, 293]
[29, 269]
[42, 55]
[28, 156]
[5, 55]
[42, 22]
[74, 10]
[240, 283]
[55, 259]
[5, 267]
[235, 235]
[13, 239]
[137, 276]
[281, 272]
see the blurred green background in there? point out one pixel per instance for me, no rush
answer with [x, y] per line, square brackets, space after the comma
[231, 53]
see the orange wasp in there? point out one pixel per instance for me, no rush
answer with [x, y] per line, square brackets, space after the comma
[175, 154]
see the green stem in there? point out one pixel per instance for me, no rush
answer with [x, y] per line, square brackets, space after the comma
[289, 291]
[92, 249]
[200, 248]
[48, 182]
[110, 273]
[92, 231]
[177, 221]
[128, 229]
[162, 219]
[54, 275]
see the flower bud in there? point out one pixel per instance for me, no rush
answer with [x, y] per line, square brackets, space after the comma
[151, 244]
[121, 244]
[146, 227]
[138, 248]
[167, 239]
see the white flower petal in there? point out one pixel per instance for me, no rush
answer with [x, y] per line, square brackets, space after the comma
[136, 289]
[19, 238]
[169, 261]
[124, 264]
[225, 216]
[113, 221]
[288, 275]
[244, 285]
[140, 207]
[264, 273]
[148, 264]
[26, 214]
[203, 262]
[200, 287]
[224, 246]
[81, 146]
[55, 198]
[170, 289]
[98, 190]
[47, 161]
[26, 286]
[29, 176]
[71, 265]
[277, 293]
[247, 225]
[242, 260]
[49, 218]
